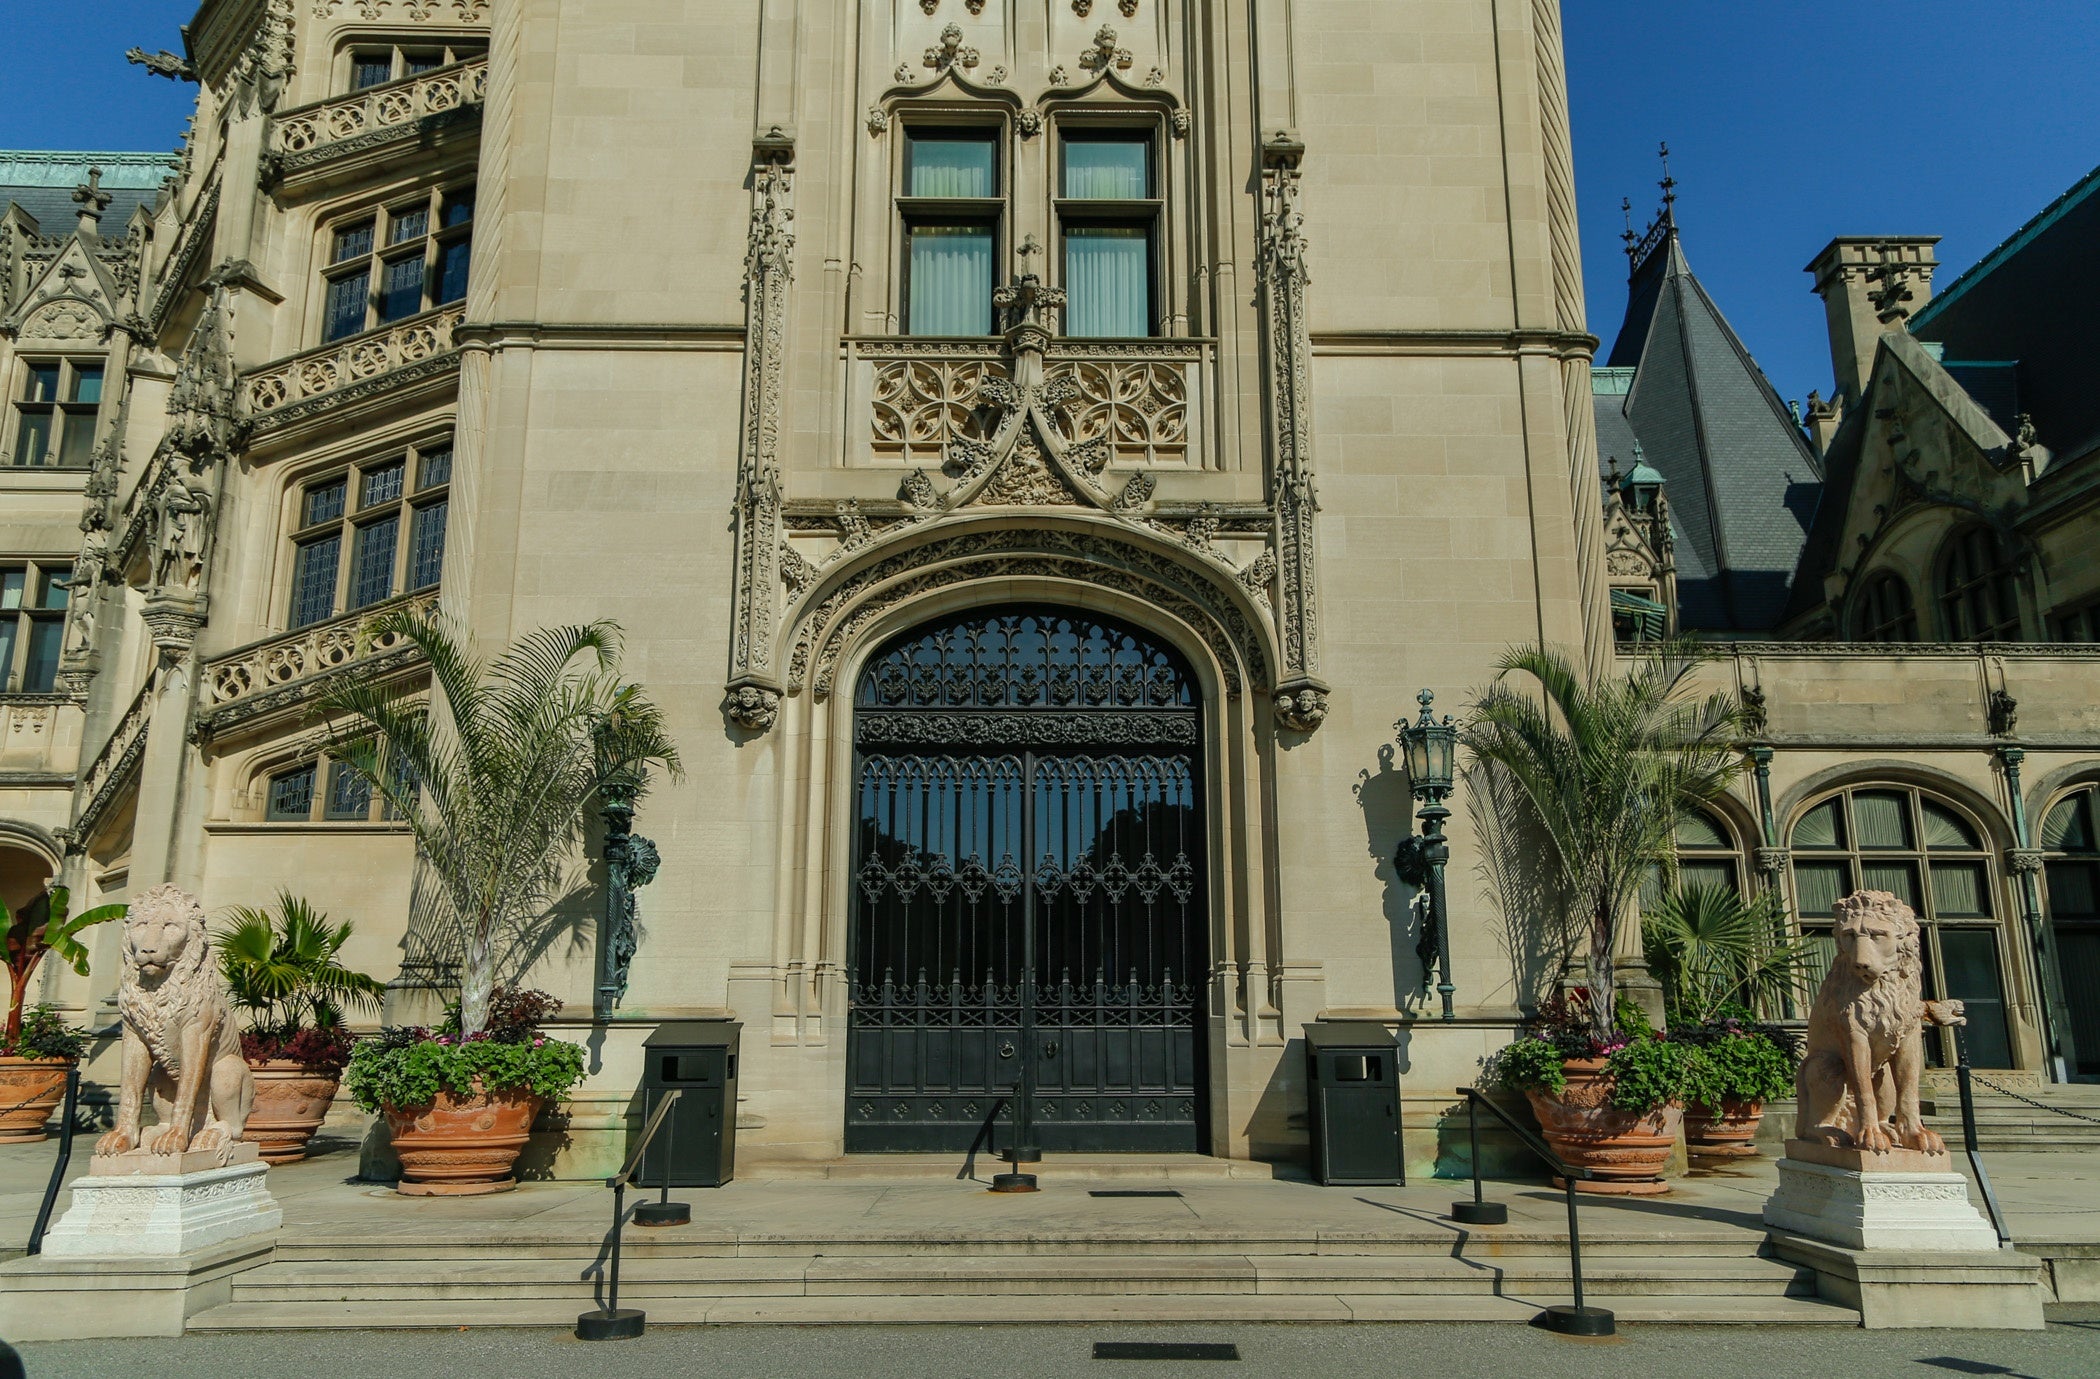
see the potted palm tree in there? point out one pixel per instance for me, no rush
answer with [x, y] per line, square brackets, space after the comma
[1722, 956]
[1598, 767]
[282, 970]
[492, 773]
[38, 1047]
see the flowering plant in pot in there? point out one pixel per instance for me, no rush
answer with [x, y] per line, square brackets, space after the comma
[1720, 955]
[1734, 1066]
[455, 1102]
[1611, 1105]
[492, 771]
[282, 970]
[37, 1047]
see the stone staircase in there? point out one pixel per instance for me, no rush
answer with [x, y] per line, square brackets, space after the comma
[698, 1275]
[2005, 1124]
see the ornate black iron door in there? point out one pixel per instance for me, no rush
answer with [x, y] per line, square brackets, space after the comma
[1028, 884]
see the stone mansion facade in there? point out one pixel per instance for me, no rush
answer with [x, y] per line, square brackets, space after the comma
[1036, 449]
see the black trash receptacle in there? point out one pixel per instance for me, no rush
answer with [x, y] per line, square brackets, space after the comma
[1353, 1085]
[697, 1143]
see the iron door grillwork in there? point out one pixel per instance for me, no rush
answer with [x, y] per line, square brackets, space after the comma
[1029, 870]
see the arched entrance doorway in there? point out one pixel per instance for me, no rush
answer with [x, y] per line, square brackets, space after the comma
[1028, 853]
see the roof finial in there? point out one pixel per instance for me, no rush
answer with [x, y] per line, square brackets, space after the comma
[1631, 240]
[92, 200]
[1668, 184]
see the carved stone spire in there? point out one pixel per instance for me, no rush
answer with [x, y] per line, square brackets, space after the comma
[753, 699]
[1300, 695]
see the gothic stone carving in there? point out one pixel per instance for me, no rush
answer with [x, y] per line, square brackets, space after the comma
[754, 693]
[1301, 697]
[181, 1045]
[1859, 1079]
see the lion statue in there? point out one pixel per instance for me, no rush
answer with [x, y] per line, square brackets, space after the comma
[1859, 1078]
[180, 1042]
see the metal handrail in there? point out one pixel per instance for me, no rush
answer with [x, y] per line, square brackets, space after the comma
[58, 1168]
[1968, 1135]
[1581, 1319]
[610, 1322]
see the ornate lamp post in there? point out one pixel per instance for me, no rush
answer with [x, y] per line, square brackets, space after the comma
[1430, 749]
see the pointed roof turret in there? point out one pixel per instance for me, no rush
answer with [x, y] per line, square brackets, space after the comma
[1739, 473]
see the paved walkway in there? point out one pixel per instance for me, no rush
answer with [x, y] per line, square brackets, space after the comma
[2048, 1199]
[1019, 1352]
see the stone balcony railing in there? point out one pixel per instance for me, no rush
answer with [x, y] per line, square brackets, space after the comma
[378, 115]
[377, 361]
[1143, 396]
[114, 763]
[289, 668]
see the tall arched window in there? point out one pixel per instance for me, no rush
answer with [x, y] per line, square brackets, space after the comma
[2071, 840]
[1977, 603]
[1886, 613]
[1889, 838]
[1706, 854]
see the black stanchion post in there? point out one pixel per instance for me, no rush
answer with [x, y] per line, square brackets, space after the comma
[1477, 1212]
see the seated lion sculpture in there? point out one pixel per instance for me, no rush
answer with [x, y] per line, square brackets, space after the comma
[180, 1041]
[1859, 1078]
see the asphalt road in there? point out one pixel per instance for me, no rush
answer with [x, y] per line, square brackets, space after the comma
[2064, 1351]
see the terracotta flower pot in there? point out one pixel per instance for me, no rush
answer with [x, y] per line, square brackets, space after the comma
[461, 1146]
[1725, 1132]
[1625, 1149]
[291, 1101]
[30, 1090]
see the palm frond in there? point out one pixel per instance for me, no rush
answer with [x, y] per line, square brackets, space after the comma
[492, 769]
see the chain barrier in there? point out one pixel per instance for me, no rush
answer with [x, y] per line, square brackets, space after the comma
[1981, 1080]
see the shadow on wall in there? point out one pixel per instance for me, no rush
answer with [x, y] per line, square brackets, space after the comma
[1528, 915]
[570, 910]
[1388, 810]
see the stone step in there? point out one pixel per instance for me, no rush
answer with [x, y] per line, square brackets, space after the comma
[702, 1242]
[1222, 1309]
[909, 1276]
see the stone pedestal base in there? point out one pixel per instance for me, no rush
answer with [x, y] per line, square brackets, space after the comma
[141, 1206]
[45, 1299]
[1998, 1290]
[1916, 1202]
[1895, 1236]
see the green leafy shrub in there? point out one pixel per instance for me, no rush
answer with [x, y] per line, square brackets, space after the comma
[45, 1035]
[403, 1075]
[1647, 1070]
[1528, 1065]
[1648, 1074]
[1736, 1062]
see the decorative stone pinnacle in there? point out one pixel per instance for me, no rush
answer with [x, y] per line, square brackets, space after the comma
[92, 200]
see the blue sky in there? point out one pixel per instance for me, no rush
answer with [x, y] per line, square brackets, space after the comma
[1790, 122]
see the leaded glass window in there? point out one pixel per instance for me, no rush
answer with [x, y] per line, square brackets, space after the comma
[390, 264]
[1930, 856]
[33, 597]
[1977, 599]
[56, 406]
[1886, 611]
[2070, 842]
[953, 207]
[1108, 214]
[380, 563]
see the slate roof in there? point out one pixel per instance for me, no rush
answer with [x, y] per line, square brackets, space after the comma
[1739, 475]
[2031, 303]
[42, 183]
